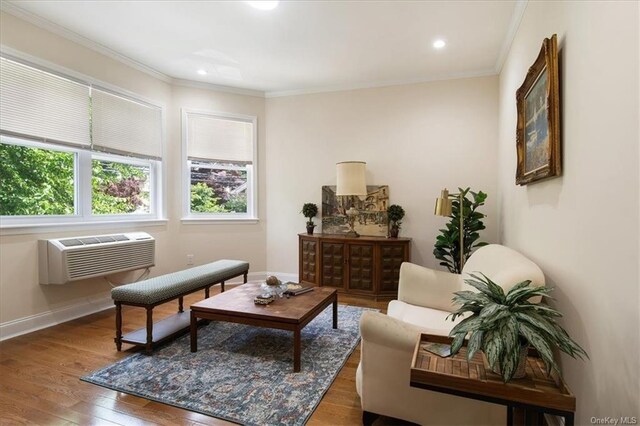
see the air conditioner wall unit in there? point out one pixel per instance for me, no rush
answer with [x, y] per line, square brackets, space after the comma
[71, 259]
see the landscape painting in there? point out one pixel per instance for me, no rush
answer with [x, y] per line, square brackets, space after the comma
[371, 219]
[538, 124]
[536, 154]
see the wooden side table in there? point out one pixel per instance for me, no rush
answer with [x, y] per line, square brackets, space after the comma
[536, 393]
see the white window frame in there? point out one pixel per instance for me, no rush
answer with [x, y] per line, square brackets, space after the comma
[251, 216]
[83, 220]
[83, 189]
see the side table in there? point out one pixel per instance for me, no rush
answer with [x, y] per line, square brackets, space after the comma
[536, 393]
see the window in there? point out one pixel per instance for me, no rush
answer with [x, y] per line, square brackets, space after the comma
[74, 152]
[220, 166]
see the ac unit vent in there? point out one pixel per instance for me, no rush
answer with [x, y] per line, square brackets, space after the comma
[72, 259]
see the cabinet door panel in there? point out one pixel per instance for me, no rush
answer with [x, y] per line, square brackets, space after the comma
[309, 261]
[333, 263]
[392, 256]
[361, 267]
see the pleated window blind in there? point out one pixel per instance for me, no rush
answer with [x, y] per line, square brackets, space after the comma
[42, 105]
[121, 125]
[220, 139]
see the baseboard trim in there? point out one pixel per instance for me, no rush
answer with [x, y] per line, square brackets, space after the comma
[53, 317]
[90, 306]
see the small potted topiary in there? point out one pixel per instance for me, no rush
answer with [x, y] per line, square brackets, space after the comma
[310, 210]
[395, 213]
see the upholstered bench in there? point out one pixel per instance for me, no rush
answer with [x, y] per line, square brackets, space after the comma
[158, 290]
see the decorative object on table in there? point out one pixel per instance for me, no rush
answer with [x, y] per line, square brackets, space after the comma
[250, 363]
[273, 287]
[455, 243]
[263, 299]
[538, 128]
[351, 182]
[310, 210]
[504, 325]
[395, 213]
[371, 219]
[441, 349]
[294, 289]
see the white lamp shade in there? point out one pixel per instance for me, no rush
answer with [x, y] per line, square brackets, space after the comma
[351, 178]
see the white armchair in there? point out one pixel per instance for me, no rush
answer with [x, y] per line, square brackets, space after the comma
[388, 341]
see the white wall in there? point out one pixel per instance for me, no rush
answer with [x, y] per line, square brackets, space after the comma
[582, 228]
[415, 138]
[24, 302]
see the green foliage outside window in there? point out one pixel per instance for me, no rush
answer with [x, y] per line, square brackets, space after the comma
[119, 188]
[203, 199]
[36, 181]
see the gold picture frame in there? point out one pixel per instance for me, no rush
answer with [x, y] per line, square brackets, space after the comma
[538, 128]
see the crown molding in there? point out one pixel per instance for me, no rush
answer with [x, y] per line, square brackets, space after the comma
[17, 11]
[217, 87]
[372, 85]
[516, 18]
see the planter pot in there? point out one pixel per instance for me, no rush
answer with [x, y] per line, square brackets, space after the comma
[393, 232]
[522, 364]
[310, 229]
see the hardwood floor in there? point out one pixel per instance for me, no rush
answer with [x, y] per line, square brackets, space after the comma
[39, 375]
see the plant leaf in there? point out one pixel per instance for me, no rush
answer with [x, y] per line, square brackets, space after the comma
[540, 343]
[457, 342]
[466, 325]
[474, 344]
[493, 347]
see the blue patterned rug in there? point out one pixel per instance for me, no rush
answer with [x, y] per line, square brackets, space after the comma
[241, 373]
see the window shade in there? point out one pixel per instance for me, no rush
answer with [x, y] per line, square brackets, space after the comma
[124, 126]
[211, 137]
[42, 105]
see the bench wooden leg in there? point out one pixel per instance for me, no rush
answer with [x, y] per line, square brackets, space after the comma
[118, 338]
[221, 286]
[245, 277]
[180, 304]
[149, 345]
[206, 292]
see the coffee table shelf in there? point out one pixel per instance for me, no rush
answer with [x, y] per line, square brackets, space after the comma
[536, 393]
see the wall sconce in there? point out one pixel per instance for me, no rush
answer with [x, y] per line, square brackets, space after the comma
[444, 208]
[351, 181]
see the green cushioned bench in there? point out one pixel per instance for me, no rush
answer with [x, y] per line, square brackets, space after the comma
[158, 290]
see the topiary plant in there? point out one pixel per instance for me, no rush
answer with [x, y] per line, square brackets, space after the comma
[500, 325]
[447, 247]
[309, 210]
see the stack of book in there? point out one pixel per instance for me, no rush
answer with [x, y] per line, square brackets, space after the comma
[294, 289]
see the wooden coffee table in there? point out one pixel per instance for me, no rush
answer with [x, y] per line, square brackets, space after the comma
[293, 314]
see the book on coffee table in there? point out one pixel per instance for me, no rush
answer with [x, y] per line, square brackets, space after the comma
[294, 289]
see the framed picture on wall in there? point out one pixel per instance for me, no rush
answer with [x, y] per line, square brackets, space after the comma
[538, 128]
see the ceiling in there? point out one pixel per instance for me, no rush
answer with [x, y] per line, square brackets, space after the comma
[298, 47]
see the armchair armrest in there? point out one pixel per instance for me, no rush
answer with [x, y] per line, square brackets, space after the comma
[427, 287]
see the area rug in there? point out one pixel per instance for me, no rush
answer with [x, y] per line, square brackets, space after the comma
[241, 373]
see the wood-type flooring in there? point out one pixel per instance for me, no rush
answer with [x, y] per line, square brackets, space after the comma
[39, 375]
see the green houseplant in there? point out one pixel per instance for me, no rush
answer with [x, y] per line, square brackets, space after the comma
[503, 325]
[447, 246]
[395, 213]
[310, 210]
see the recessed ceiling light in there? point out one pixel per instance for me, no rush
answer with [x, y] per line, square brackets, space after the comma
[439, 44]
[202, 72]
[264, 5]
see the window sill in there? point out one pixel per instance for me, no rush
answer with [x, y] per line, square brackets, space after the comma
[42, 228]
[219, 221]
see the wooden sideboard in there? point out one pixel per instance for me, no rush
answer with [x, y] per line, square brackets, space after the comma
[364, 266]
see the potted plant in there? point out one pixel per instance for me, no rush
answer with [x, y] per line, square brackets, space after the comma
[504, 325]
[447, 247]
[310, 210]
[395, 213]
